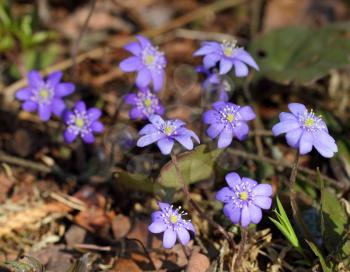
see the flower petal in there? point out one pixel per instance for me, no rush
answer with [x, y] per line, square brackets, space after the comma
[263, 189]
[306, 142]
[263, 202]
[136, 113]
[58, 106]
[225, 66]
[214, 130]
[165, 145]
[148, 129]
[164, 206]
[97, 127]
[157, 227]
[244, 56]
[130, 64]
[325, 144]
[80, 106]
[241, 131]
[233, 179]
[29, 106]
[245, 217]
[133, 47]
[131, 99]
[24, 94]
[44, 112]
[88, 138]
[54, 78]
[156, 216]
[205, 49]
[149, 139]
[169, 238]
[183, 235]
[210, 60]
[250, 181]
[185, 140]
[225, 138]
[235, 214]
[285, 126]
[94, 114]
[34, 79]
[255, 213]
[224, 195]
[293, 137]
[247, 113]
[284, 116]
[143, 78]
[64, 89]
[156, 120]
[297, 108]
[241, 69]
[211, 116]
[69, 136]
[143, 41]
[157, 79]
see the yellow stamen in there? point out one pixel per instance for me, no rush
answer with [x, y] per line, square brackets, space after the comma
[228, 51]
[309, 122]
[79, 122]
[147, 102]
[44, 93]
[149, 59]
[230, 117]
[173, 219]
[168, 130]
[243, 195]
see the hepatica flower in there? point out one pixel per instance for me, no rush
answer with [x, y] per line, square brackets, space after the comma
[215, 83]
[227, 121]
[244, 198]
[82, 122]
[45, 96]
[165, 133]
[144, 103]
[304, 130]
[147, 60]
[228, 55]
[170, 221]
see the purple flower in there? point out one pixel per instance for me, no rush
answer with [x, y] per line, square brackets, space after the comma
[45, 95]
[229, 55]
[82, 122]
[147, 61]
[244, 199]
[145, 104]
[304, 129]
[215, 83]
[170, 222]
[165, 133]
[228, 120]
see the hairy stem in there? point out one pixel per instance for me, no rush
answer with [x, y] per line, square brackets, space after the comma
[238, 260]
[195, 206]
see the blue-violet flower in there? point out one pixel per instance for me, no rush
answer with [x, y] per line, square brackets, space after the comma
[82, 122]
[147, 60]
[144, 103]
[228, 120]
[304, 129]
[165, 133]
[45, 95]
[170, 221]
[229, 55]
[244, 199]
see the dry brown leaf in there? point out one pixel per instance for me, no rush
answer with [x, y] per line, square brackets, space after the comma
[126, 265]
[198, 263]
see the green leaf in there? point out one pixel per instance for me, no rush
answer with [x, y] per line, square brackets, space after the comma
[135, 181]
[334, 224]
[301, 54]
[284, 225]
[318, 253]
[196, 165]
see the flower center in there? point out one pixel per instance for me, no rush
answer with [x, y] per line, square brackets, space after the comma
[79, 122]
[230, 117]
[228, 47]
[228, 51]
[44, 93]
[173, 219]
[147, 102]
[149, 59]
[309, 122]
[243, 195]
[168, 130]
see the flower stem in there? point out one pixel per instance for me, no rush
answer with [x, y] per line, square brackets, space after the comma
[237, 262]
[296, 213]
[195, 206]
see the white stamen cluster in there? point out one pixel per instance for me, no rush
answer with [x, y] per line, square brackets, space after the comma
[242, 194]
[43, 95]
[229, 48]
[229, 115]
[173, 218]
[310, 122]
[168, 128]
[153, 58]
[79, 123]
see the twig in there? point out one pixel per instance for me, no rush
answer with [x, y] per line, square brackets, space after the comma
[195, 205]
[93, 247]
[80, 36]
[145, 250]
[25, 163]
[281, 163]
[99, 52]
[238, 260]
